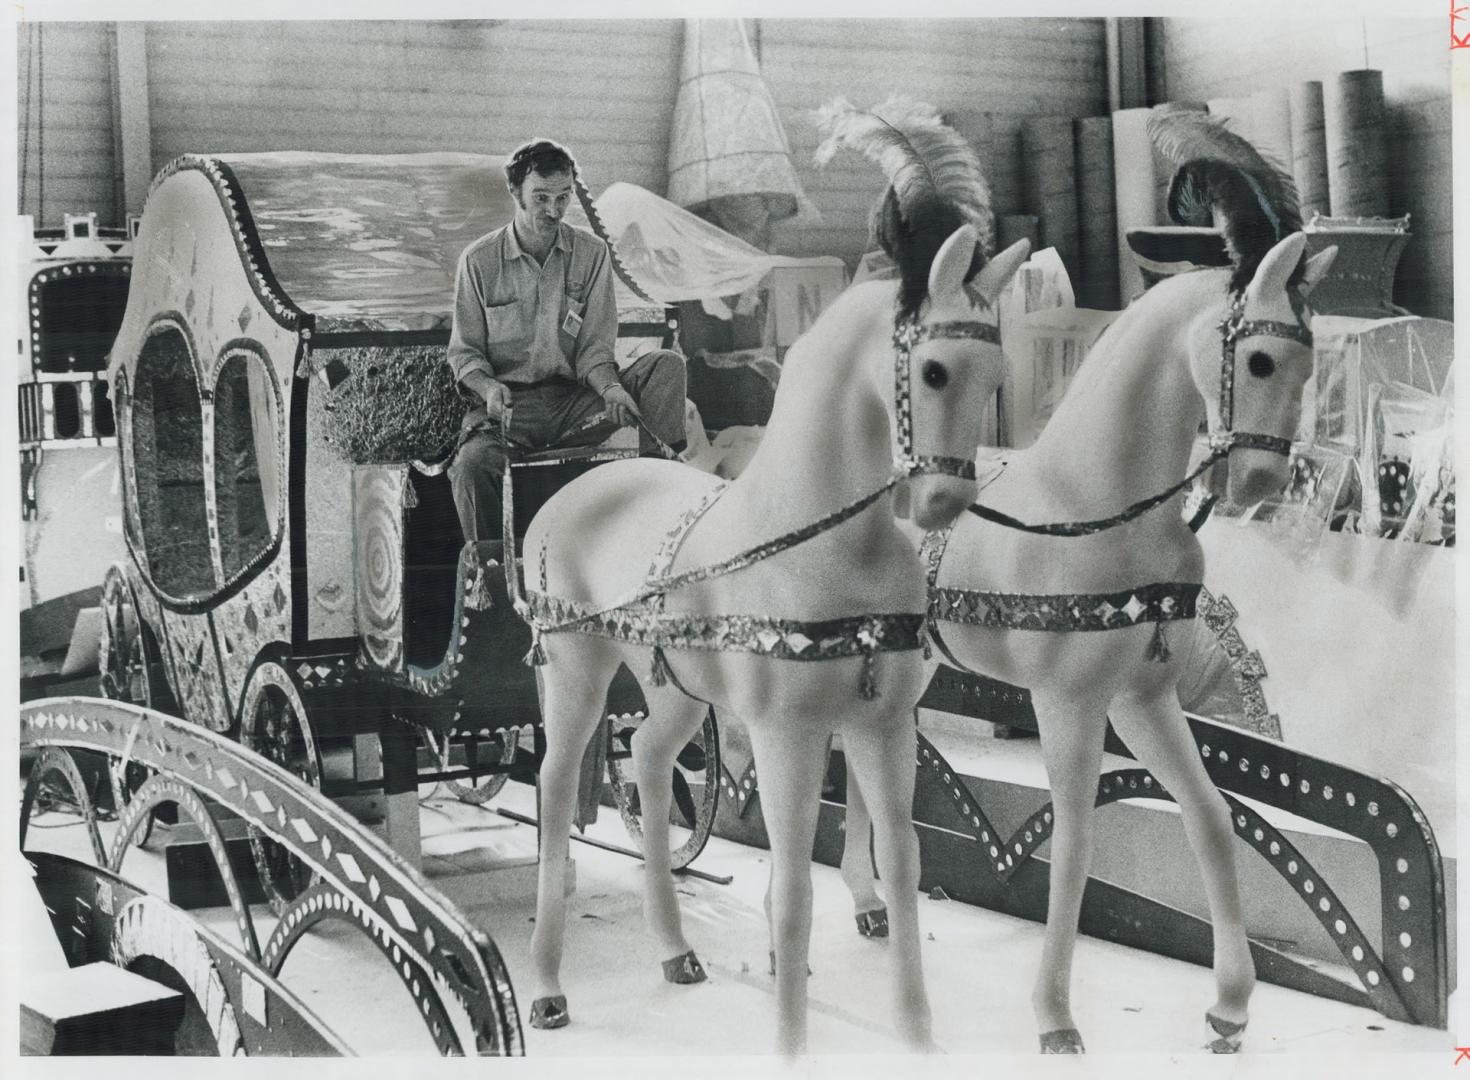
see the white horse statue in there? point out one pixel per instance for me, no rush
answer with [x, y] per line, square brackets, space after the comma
[717, 593]
[1229, 346]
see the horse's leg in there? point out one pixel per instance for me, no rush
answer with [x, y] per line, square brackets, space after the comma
[572, 697]
[1153, 726]
[857, 860]
[856, 867]
[790, 758]
[1071, 745]
[882, 756]
[673, 719]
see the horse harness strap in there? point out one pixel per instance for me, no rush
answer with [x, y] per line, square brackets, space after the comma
[639, 616]
[1234, 327]
[1157, 603]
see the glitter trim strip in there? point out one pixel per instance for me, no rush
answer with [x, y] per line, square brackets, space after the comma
[1159, 602]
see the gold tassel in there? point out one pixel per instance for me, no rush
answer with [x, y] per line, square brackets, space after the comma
[537, 656]
[1158, 646]
[659, 672]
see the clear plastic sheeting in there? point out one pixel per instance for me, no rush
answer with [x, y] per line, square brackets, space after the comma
[675, 255]
[1354, 354]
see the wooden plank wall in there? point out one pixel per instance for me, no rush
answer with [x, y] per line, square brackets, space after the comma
[985, 75]
[64, 141]
[395, 87]
[1197, 59]
[605, 88]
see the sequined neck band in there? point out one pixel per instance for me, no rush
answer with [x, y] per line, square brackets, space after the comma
[1157, 603]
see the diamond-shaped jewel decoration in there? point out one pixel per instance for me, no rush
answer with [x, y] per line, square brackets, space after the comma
[350, 867]
[798, 642]
[1252, 666]
[1134, 608]
[768, 638]
[429, 939]
[262, 802]
[243, 318]
[327, 847]
[400, 914]
[304, 830]
[189, 303]
[252, 622]
[374, 889]
[1105, 610]
[279, 597]
[224, 777]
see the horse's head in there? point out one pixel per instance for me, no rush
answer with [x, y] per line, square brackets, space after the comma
[948, 362]
[1251, 364]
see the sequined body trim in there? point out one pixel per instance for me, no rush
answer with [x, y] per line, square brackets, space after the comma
[1160, 602]
[781, 639]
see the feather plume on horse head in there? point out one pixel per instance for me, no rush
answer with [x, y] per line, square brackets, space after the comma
[1225, 182]
[935, 183]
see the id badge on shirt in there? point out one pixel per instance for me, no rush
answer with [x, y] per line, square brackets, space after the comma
[572, 324]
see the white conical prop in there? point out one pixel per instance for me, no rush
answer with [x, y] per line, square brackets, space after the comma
[728, 155]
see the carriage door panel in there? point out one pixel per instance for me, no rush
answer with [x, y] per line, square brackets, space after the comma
[327, 482]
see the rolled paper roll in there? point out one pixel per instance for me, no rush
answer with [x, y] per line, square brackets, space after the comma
[1013, 227]
[1309, 148]
[1133, 192]
[1049, 183]
[1270, 112]
[1097, 232]
[1140, 188]
[1357, 152]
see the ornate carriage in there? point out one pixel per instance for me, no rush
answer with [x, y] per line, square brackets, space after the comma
[296, 577]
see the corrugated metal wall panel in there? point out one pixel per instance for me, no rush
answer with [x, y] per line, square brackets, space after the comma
[64, 80]
[1207, 58]
[604, 88]
[985, 75]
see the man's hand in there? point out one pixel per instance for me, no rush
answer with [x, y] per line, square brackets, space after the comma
[497, 398]
[621, 408]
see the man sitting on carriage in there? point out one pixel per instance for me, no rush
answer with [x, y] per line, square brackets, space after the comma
[535, 322]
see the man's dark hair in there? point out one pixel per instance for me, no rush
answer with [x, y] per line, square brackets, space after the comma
[538, 155]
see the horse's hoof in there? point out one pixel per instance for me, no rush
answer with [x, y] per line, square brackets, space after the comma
[873, 923]
[1229, 1035]
[773, 964]
[684, 970]
[1062, 1041]
[550, 1012]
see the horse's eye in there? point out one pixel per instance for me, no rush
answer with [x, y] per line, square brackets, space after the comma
[1260, 365]
[936, 374]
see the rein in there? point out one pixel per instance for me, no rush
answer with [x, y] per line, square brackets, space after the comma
[906, 464]
[1234, 327]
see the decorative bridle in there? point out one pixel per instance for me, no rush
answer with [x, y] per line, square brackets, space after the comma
[1233, 328]
[1222, 440]
[907, 334]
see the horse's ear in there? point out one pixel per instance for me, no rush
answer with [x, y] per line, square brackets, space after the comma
[1316, 268]
[1277, 267]
[997, 273]
[947, 272]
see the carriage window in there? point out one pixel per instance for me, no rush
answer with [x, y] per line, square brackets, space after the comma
[166, 427]
[245, 481]
[77, 317]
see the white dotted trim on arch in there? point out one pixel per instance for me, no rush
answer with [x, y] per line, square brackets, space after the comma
[147, 927]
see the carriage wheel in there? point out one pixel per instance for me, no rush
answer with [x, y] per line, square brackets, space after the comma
[124, 674]
[479, 790]
[273, 723]
[693, 812]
